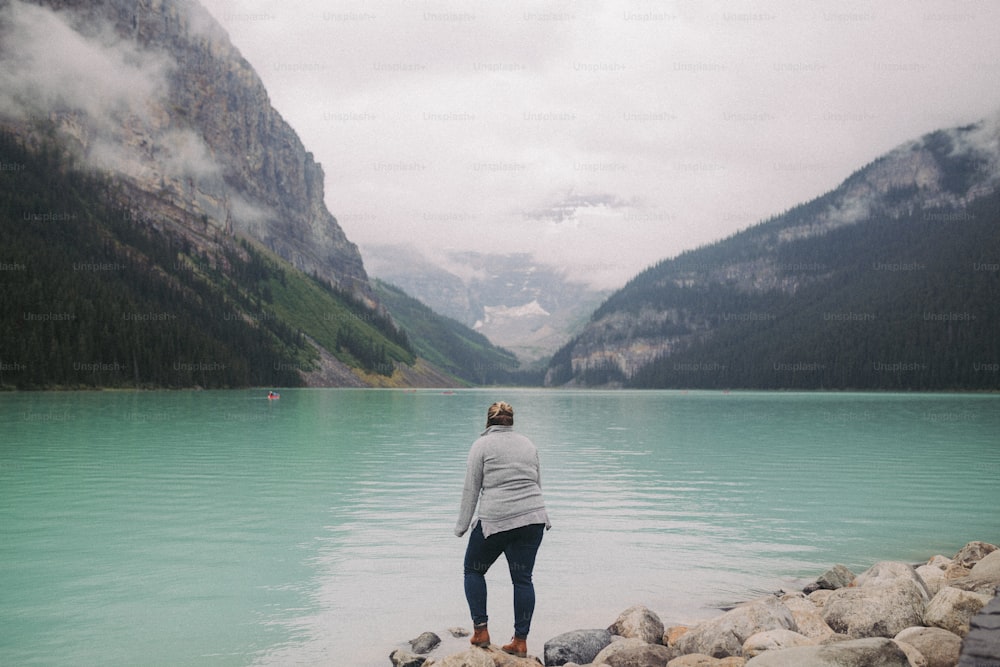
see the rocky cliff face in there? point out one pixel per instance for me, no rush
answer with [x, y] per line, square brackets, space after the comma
[153, 91]
[658, 314]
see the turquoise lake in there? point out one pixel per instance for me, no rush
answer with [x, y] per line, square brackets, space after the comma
[220, 528]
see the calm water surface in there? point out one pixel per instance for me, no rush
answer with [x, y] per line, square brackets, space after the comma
[220, 528]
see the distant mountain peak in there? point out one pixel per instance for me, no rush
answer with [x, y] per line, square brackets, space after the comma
[517, 302]
[950, 167]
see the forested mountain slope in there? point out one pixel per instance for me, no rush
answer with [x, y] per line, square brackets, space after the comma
[450, 345]
[890, 281]
[161, 225]
[91, 296]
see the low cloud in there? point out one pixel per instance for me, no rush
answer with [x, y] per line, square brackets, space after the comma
[104, 92]
[49, 66]
[568, 207]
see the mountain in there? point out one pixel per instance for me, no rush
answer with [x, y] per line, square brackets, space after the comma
[91, 297]
[513, 300]
[155, 93]
[451, 346]
[889, 281]
[160, 223]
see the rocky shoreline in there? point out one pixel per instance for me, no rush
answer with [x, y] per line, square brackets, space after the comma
[941, 613]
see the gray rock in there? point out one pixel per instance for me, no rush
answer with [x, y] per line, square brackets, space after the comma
[798, 602]
[870, 652]
[483, 657]
[811, 624]
[952, 609]
[425, 643]
[981, 647]
[473, 657]
[806, 615]
[933, 577]
[887, 572]
[819, 597]
[939, 561]
[634, 652]
[401, 658]
[973, 552]
[875, 611]
[638, 622]
[940, 648]
[915, 657]
[724, 635]
[955, 571]
[580, 646]
[836, 577]
[773, 640]
[984, 576]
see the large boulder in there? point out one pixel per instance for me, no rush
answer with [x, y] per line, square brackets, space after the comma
[982, 645]
[973, 552]
[812, 625]
[940, 648]
[870, 652]
[634, 652]
[638, 622]
[933, 572]
[724, 635]
[806, 615]
[952, 609]
[579, 646]
[984, 577]
[933, 577]
[955, 571]
[875, 610]
[889, 572]
[773, 640]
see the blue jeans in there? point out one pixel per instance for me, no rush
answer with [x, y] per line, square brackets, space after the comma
[519, 546]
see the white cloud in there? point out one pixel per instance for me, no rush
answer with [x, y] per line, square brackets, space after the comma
[603, 136]
[112, 91]
[49, 65]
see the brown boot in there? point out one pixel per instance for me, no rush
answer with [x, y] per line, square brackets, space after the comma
[481, 636]
[518, 646]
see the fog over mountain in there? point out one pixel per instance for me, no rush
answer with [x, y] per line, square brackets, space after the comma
[508, 164]
[552, 128]
[111, 87]
[518, 303]
[888, 281]
[159, 97]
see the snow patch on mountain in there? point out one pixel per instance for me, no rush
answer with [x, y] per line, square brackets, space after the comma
[494, 313]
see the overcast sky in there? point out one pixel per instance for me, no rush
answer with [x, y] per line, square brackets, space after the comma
[605, 136]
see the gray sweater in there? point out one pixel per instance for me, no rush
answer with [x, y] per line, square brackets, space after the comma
[503, 476]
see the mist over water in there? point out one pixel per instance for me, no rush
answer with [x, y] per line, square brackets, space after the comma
[222, 528]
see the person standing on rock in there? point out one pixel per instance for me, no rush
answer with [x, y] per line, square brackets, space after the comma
[503, 477]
